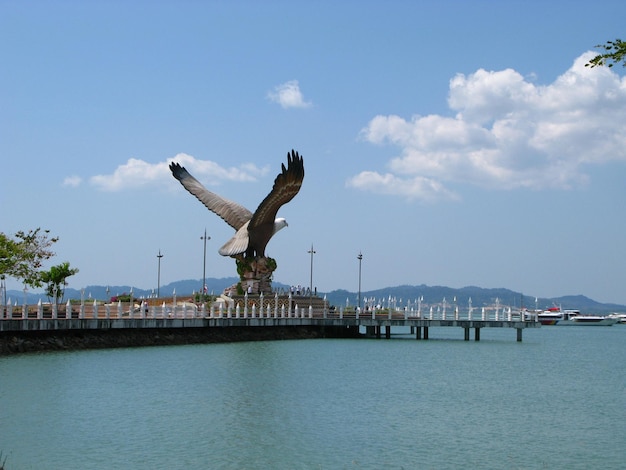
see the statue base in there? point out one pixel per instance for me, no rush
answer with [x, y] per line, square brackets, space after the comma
[255, 274]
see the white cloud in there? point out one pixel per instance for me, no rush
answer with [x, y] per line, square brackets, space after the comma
[417, 187]
[288, 95]
[507, 133]
[138, 173]
[72, 181]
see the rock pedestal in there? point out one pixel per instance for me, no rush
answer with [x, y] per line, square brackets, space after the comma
[255, 274]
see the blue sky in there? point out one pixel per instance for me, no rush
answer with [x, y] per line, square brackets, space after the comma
[452, 143]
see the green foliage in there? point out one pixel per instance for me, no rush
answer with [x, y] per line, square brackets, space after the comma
[22, 256]
[122, 298]
[271, 264]
[55, 280]
[206, 298]
[244, 265]
[615, 52]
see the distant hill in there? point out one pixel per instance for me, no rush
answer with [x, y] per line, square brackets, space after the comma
[182, 288]
[481, 297]
[431, 295]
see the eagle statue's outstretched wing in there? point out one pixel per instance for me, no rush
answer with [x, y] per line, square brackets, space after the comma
[253, 231]
[233, 214]
[286, 186]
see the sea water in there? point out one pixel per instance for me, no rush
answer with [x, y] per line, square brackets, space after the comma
[555, 400]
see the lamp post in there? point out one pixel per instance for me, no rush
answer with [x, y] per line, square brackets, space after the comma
[312, 252]
[3, 295]
[360, 258]
[159, 256]
[205, 238]
[24, 307]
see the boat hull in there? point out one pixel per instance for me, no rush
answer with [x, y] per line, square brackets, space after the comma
[588, 321]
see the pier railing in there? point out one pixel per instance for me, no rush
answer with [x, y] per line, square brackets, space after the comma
[249, 307]
[251, 312]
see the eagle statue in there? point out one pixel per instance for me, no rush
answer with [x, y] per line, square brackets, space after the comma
[253, 231]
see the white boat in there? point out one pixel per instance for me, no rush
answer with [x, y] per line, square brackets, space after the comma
[556, 316]
[592, 320]
[551, 316]
[621, 317]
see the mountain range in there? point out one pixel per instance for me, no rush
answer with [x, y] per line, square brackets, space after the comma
[430, 295]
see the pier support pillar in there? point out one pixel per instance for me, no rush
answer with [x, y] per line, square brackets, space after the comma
[476, 334]
[418, 332]
[519, 335]
[467, 334]
[377, 331]
[425, 332]
[388, 331]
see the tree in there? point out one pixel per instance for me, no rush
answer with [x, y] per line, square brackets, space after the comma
[22, 256]
[55, 280]
[615, 52]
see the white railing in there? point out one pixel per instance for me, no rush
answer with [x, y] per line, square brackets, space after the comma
[254, 307]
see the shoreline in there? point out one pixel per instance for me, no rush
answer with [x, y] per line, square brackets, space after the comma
[21, 342]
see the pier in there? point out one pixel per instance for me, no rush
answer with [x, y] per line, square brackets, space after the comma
[242, 318]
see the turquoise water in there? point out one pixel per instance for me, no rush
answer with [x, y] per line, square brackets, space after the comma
[556, 400]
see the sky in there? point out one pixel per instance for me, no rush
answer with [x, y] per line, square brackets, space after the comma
[451, 143]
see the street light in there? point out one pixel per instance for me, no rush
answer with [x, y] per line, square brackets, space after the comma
[312, 252]
[159, 256]
[205, 238]
[24, 307]
[3, 295]
[360, 258]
